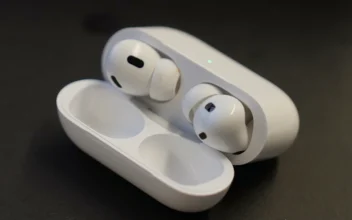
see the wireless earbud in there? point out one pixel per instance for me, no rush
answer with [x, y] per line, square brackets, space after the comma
[137, 69]
[219, 120]
[195, 96]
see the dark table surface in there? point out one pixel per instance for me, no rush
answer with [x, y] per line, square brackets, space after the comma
[304, 49]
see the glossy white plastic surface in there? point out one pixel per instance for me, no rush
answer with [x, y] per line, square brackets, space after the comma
[275, 117]
[142, 147]
[222, 119]
[134, 80]
[195, 96]
[94, 106]
[180, 160]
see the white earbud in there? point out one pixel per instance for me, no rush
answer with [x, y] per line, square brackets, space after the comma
[219, 120]
[195, 96]
[137, 69]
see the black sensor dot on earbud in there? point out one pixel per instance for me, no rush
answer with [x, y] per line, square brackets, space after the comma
[135, 61]
[202, 136]
[210, 107]
[113, 78]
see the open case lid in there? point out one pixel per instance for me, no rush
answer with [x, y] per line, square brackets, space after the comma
[142, 147]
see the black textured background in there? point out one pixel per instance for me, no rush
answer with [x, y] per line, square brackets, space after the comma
[304, 48]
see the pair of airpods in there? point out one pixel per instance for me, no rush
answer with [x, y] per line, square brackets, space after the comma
[219, 120]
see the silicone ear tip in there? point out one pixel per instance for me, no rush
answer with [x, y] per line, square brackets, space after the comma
[196, 96]
[165, 81]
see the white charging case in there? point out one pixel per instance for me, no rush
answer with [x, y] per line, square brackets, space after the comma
[152, 145]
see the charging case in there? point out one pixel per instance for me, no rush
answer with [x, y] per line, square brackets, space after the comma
[152, 145]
